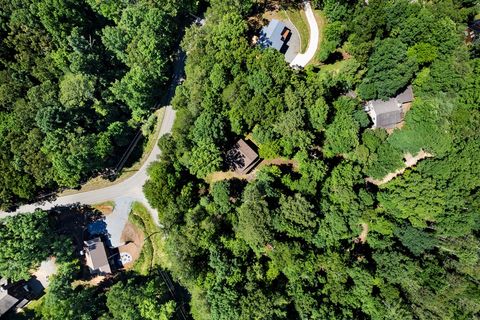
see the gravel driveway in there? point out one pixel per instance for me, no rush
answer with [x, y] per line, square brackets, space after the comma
[117, 220]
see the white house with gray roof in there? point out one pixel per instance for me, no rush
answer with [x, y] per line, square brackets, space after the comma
[96, 257]
[387, 114]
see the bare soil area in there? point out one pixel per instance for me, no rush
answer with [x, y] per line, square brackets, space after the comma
[228, 175]
[132, 233]
[410, 161]
[280, 162]
[363, 236]
[105, 208]
[134, 239]
[133, 249]
[95, 281]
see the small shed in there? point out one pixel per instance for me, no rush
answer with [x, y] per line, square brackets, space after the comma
[96, 257]
[242, 158]
[388, 113]
[405, 96]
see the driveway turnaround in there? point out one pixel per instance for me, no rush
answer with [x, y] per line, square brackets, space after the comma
[117, 220]
[302, 59]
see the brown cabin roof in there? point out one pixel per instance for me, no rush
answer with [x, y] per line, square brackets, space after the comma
[242, 158]
[247, 151]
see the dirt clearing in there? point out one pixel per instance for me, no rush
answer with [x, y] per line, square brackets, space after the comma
[134, 239]
[410, 161]
[363, 236]
[105, 207]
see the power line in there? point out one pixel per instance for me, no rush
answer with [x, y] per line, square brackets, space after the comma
[128, 152]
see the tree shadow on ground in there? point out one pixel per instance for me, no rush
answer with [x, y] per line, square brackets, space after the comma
[73, 221]
[272, 5]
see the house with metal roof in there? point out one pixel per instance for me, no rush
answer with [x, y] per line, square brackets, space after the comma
[387, 114]
[96, 257]
[275, 35]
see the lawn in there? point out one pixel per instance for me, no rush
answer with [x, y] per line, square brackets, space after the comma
[100, 182]
[299, 19]
[153, 248]
[334, 67]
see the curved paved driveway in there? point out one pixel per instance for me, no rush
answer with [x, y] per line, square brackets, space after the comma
[302, 59]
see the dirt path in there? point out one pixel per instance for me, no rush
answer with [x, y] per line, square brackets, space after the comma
[363, 235]
[279, 162]
[410, 161]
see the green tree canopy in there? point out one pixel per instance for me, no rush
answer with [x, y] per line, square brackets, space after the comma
[27, 240]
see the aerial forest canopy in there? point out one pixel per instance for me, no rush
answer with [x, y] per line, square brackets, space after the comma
[76, 80]
[335, 222]
[305, 236]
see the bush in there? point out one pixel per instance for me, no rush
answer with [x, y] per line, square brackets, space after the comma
[149, 126]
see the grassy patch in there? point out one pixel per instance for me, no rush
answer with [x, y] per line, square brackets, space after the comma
[334, 67]
[153, 248]
[99, 182]
[199, 305]
[299, 19]
[227, 175]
